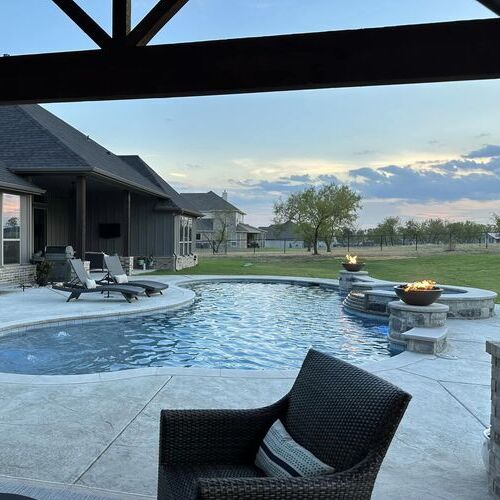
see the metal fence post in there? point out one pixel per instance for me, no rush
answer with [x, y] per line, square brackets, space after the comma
[486, 239]
[416, 242]
[284, 245]
[348, 242]
[381, 242]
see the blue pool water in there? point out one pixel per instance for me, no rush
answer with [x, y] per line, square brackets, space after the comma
[230, 325]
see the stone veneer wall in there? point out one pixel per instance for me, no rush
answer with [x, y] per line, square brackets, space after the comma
[127, 264]
[494, 466]
[18, 274]
[176, 263]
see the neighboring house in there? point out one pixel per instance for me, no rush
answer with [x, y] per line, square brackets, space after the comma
[493, 237]
[283, 236]
[222, 221]
[59, 187]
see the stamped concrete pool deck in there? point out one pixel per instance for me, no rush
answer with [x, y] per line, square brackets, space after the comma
[101, 430]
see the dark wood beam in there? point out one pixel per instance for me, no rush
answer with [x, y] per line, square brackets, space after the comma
[493, 5]
[465, 50]
[81, 216]
[153, 22]
[121, 19]
[85, 22]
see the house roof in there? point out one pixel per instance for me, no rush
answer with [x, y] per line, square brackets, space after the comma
[247, 228]
[11, 181]
[204, 225]
[178, 200]
[285, 231]
[211, 202]
[33, 140]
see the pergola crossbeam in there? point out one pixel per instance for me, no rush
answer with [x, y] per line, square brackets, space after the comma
[493, 5]
[440, 52]
[84, 22]
[154, 21]
[121, 19]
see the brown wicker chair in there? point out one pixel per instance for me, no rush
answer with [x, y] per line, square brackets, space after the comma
[342, 414]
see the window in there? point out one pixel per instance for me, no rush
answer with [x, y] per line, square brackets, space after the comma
[11, 229]
[185, 236]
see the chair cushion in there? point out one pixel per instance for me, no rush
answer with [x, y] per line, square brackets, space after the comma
[280, 456]
[181, 482]
[121, 278]
[90, 284]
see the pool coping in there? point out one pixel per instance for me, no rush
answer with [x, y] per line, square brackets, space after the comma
[402, 359]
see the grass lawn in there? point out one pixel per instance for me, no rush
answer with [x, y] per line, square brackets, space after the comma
[481, 271]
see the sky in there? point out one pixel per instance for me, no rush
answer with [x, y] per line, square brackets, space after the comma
[427, 150]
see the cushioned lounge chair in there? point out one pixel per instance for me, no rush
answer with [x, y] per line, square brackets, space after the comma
[80, 284]
[344, 415]
[115, 269]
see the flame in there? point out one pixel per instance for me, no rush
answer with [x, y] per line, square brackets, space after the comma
[419, 286]
[351, 259]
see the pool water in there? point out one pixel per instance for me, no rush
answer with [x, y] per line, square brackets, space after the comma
[230, 325]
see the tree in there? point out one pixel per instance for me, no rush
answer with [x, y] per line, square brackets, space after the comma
[319, 211]
[387, 230]
[219, 233]
[496, 222]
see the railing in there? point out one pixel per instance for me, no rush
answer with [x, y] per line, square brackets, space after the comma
[350, 242]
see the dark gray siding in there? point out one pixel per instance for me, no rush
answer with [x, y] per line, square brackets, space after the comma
[105, 208]
[60, 220]
[152, 232]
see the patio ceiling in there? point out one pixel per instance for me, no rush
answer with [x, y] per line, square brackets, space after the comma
[125, 68]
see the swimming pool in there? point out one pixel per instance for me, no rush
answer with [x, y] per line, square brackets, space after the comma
[230, 325]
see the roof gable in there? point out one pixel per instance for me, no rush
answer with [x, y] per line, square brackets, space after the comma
[34, 140]
[11, 181]
[211, 202]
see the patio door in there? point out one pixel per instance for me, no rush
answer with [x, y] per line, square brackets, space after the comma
[39, 229]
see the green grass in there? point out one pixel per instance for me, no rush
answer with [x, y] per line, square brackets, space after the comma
[481, 271]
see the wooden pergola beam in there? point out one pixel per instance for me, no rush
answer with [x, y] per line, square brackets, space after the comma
[154, 21]
[121, 19]
[463, 50]
[84, 22]
[493, 5]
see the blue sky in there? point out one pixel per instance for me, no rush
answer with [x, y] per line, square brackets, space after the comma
[411, 150]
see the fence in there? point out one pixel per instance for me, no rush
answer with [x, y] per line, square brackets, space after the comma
[348, 242]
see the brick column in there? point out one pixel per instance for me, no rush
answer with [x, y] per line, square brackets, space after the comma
[493, 348]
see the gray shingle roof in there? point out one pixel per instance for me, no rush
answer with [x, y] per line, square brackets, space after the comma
[204, 225]
[147, 172]
[286, 231]
[247, 228]
[11, 181]
[34, 140]
[210, 202]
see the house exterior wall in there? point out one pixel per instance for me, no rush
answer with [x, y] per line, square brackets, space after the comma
[60, 220]
[152, 232]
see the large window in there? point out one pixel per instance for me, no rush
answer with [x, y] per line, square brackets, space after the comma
[185, 236]
[11, 229]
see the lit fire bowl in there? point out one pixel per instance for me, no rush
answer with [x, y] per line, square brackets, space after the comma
[353, 268]
[418, 297]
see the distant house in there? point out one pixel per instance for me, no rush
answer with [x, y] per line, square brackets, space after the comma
[222, 220]
[59, 187]
[283, 236]
[493, 237]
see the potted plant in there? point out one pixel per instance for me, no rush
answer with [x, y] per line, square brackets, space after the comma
[352, 264]
[419, 293]
[42, 273]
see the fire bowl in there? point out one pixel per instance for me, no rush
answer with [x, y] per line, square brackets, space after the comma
[353, 268]
[418, 297]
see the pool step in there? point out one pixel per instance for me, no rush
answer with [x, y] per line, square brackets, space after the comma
[356, 301]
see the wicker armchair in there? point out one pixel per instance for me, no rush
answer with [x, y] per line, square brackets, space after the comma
[342, 414]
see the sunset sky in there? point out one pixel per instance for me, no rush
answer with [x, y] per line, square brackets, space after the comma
[410, 150]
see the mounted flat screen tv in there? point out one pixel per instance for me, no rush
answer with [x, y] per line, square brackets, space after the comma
[108, 231]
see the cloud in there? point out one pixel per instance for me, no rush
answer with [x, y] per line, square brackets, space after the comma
[487, 151]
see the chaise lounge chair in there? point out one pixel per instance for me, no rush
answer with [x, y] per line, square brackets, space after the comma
[345, 416]
[82, 284]
[116, 274]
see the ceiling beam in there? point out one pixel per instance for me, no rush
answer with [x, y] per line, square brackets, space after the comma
[493, 5]
[463, 50]
[154, 21]
[85, 22]
[121, 19]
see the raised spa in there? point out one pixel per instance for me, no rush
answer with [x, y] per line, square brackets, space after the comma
[229, 325]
